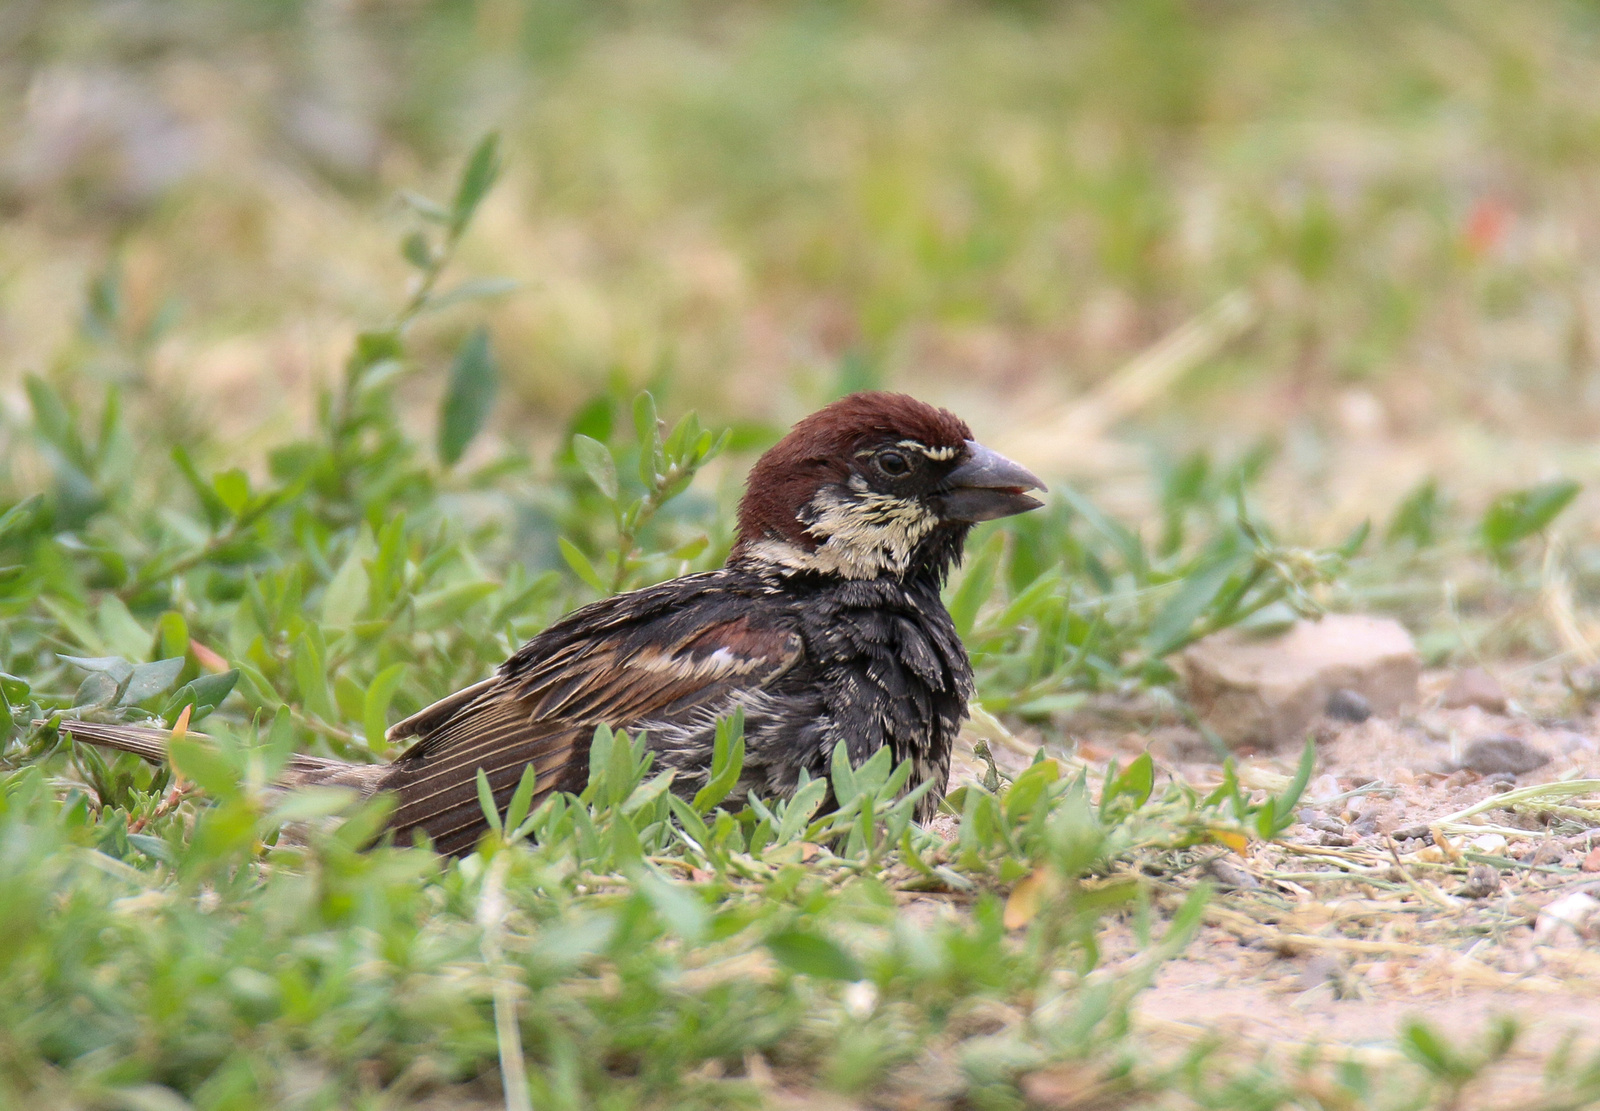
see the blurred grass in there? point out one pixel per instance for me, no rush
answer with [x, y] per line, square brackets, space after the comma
[994, 202]
[752, 206]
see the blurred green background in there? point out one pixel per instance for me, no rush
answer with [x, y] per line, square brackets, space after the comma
[752, 206]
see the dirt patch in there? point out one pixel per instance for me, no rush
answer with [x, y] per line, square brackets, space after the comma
[1368, 911]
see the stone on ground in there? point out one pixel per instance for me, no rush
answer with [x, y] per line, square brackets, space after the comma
[1473, 686]
[1502, 754]
[1267, 691]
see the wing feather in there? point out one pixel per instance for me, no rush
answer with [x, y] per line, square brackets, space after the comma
[674, 658]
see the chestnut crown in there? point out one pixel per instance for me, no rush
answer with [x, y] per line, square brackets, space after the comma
[875, 484]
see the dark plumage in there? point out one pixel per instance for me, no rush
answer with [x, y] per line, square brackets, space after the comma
[825, 626]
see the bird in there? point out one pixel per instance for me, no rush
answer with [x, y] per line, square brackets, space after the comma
[824, 627]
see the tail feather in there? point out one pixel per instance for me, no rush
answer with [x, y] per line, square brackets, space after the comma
[141, 740]
[150, 742]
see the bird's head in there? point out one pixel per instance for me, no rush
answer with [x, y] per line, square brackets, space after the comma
[876, 485]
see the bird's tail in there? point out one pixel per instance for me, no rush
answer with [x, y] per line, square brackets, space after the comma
[141, 740]
[150, 742]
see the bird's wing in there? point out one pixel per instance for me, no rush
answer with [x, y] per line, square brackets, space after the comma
[545, 703]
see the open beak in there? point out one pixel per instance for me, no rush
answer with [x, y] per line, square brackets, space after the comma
[988, 486]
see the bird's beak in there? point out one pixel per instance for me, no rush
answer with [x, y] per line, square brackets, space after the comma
[987, 486]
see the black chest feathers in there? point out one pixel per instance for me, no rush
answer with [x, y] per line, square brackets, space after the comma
[879, 665]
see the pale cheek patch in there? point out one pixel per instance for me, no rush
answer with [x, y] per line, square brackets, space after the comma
[863, 536]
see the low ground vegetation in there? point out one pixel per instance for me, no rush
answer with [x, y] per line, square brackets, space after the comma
[1250, 275]
[189, 937]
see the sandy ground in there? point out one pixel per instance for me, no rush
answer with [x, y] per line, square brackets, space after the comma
[1381, 922]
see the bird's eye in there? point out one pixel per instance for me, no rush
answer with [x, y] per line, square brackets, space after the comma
[893, 464]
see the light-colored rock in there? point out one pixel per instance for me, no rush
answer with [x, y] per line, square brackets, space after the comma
[1267, 691]
[1568, 921]
[1491, 844]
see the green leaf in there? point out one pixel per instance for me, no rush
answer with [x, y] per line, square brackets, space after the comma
[727, 762]
[15, 690]
[1135, 783]
[114, 666]
[375, 705]
[1419, 516]
[1279, 813]
[843, 775]
[580, 565]
[648, 427]
[346, 595]
[205, 693]
[97, 690]
[425, 207]
[491, 813]
[1172, 626]
[54, 421]
[373, 349]
[363, 827]
[474, 289]
[311, 675]
[1029, 786]
[172, 634]
[679, 906]
[414, 249]
[482, 168]
[469, 397]
[307, 804]
[120, 630]
[200, 762]
[215, 509]
[976, 584]
[1422, 1044]
[812, 955]
[151, 679]
[1515, 516]
[1356, 540]
[437, 608]
[522, 799]
[802, 807]
[595, 459]
[646, 793]
[20, 514]
[600, 745]
[233, 490]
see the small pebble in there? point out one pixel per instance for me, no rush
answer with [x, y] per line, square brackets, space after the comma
[1501, 753]
[1323, 788]
[1591, 862]
[1474, 686]
[1321, 822]
[1482, 881]
[1231, 875]
[1345, 704]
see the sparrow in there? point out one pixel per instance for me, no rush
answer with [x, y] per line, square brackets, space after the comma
[824, 626]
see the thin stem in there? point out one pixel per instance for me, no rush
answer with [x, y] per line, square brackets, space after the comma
[508, 1032]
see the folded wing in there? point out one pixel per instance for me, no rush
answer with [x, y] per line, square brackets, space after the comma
[648, 657]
